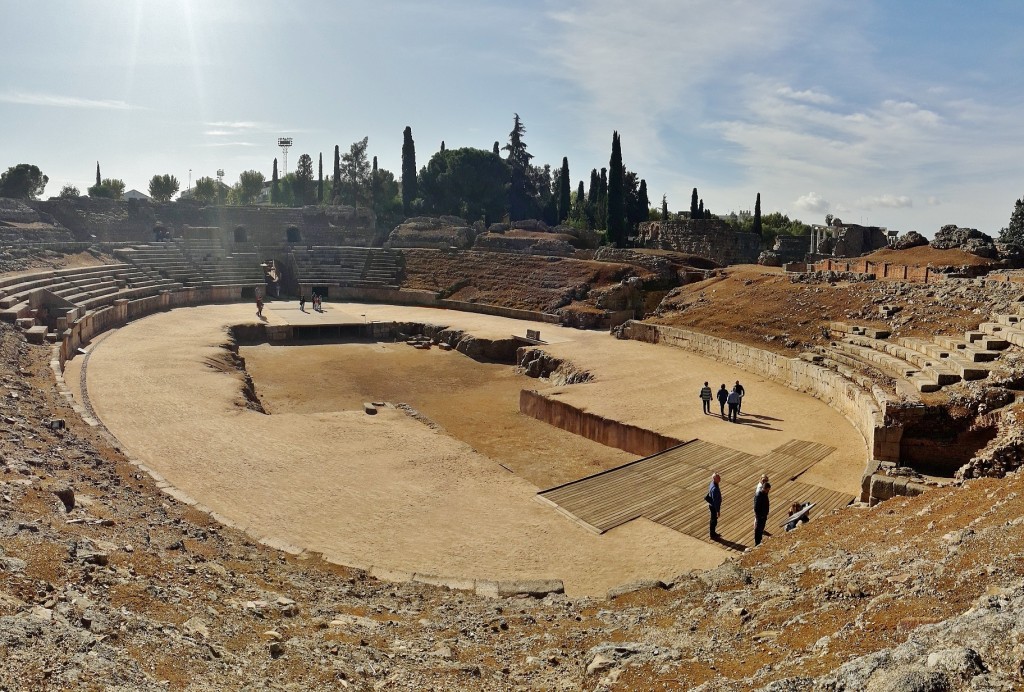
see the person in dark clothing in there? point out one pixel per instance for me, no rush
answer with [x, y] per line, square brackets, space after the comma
[302, 302]
[742, 392]
[761, 508]
[705, 397]
[723, 397]
[734, 404]
[714, 500]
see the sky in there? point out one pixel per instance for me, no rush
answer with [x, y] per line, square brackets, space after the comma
[897, 113]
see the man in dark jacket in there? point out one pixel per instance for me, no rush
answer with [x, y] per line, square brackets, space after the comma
[761, 508]
[714, 500]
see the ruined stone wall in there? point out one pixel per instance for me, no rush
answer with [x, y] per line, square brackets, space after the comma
[710, 238]
[111, 221]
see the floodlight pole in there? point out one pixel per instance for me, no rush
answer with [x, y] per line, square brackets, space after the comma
[284, 143]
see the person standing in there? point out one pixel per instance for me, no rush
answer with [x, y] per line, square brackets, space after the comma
[723, 397]
[742, 392]
[734, 404]
[259, 305]
[302, 302]
[761, 508]
[714, 500]
[705, 396]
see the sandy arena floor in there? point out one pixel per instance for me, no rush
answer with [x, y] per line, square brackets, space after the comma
[391, 492]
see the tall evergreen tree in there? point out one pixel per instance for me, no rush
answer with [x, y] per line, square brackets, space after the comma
[616, 195]
[664, 207]
[700, 210]
[564, 191]
[374, 183]
[694, 209]
[757, 215]
[320, 181]
[275, 189]
[303, 183]
[519, 164]
[442, 146]
[408, 170]
[1014, 232]
[336, 178]
[497, 148]
[97, 174]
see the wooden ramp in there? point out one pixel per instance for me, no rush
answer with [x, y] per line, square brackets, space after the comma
[669, 488]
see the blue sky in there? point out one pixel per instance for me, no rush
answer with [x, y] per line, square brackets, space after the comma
[903, 114]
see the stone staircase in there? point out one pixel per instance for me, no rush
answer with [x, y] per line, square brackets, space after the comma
[916, 365]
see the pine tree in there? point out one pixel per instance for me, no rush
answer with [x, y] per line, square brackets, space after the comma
[694, 209]
[519, 163]
[275, 190]
[320, 181]
[1014, 233]
[664, 207]
[616, 195]
[757, 215]
[336, 179]
[408, 170]
[564, 191]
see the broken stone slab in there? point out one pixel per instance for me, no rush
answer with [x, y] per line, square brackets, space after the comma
[638, 585]
[537, 588]
[455, 583]
[369, 409]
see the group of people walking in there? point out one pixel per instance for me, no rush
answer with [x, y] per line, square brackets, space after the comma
[732, 398]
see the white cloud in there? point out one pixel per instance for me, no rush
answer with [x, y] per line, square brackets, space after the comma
[886, 200]
[812, 202]
[60, 101]
[807, 96]
[238, 125]
[933, 201]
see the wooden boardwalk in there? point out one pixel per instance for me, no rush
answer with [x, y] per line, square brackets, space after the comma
[669, 488]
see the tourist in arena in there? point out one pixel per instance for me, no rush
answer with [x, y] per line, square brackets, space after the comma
[723, 397]
[761, 508]
[705, 396]
[714, 500]
[259, 305]
[734, 404]
[742, 392]
[802, 517]
[302, 302]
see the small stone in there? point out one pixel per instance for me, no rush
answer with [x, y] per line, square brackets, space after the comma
[272, 635]
[442, 652]
[276, 649]
[67, 496]
[196, 627]
[599, 664]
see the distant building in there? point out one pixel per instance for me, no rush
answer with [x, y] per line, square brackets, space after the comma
[135, 194]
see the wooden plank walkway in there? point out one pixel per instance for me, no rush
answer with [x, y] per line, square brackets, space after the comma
[669, 488]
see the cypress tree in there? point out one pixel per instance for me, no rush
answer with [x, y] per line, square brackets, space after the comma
[442, 146]
[700, 210]
[98, 174]
[408, 170]
[564, 191]
[694, 210]
[664, 207]
[757, 215]
[616, 195]
[275, 191]
[645, 201]
[336, 180]
[497, 148]
[320, 181]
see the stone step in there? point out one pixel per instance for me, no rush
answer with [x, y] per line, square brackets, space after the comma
[967, 351]
[1001, 331]
[986, 341]
[965, 368]
[941, 372]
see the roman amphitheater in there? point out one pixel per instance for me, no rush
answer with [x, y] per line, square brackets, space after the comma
[480, 462]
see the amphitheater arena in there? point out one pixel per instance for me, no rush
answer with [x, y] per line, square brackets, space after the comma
[460, 451]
